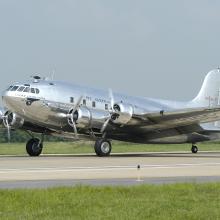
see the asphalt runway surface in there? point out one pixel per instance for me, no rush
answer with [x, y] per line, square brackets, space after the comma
[118, 169]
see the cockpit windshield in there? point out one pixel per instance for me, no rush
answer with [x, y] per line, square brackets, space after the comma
[21, 89]
[9, 88]
[26, 89]
[14, 88]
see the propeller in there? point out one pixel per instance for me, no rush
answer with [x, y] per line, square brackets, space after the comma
[71, 116]
[7, 125]
[112, 101]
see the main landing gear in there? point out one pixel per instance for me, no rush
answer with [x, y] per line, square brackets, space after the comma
[103, 147]
[194, 149]
[34, 146]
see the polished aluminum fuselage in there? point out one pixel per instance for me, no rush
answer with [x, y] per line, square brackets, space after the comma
[49, 109]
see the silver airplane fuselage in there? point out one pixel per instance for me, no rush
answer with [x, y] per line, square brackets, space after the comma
[45, 106]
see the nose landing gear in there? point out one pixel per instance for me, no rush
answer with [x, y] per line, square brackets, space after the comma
[34, 147]
[194, 149]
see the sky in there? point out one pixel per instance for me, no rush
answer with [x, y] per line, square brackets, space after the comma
[160, 49]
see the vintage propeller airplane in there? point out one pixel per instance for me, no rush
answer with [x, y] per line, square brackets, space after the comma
[68, 110]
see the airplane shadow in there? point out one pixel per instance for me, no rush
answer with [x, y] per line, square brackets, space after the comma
[172, 155]
[126, 155]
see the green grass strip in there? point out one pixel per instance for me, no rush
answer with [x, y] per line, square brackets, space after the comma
[87, 147]
[175, 201]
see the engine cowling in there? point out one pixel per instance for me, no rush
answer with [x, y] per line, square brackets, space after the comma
[14, 121]
[89, 118]
[123, 113]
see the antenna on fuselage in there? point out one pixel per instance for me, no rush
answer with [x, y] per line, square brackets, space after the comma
[36, 78]
[52, 75]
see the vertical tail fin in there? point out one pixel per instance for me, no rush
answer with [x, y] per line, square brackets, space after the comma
[209, 93]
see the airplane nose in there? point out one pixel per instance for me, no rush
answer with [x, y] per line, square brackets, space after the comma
[6, 98]
[4, 94]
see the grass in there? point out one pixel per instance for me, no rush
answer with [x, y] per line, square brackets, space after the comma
[87, 147]
[177, 201]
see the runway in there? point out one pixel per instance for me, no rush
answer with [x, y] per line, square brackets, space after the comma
[118, 169]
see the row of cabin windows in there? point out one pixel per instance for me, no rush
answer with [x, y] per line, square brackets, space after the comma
[84, 103]
[23, 89]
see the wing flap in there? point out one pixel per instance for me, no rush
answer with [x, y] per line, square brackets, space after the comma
[173, 119]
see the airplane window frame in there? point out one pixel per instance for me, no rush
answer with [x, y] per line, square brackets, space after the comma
[106, 106]
[15, 88]
[71, 99]
[32, 90]
[27, 90]
[21, 89]
[9, 88]
[94, 104]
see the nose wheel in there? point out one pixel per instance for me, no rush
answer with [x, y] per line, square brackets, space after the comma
[34, 147]
[194, 149]
[102, 147]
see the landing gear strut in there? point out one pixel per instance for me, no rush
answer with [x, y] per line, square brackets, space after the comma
[194, 149]
[103, 147]
[34, 147]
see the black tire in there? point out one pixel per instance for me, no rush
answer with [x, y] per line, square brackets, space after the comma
[194, 149]
[33, 147]
[103, 148]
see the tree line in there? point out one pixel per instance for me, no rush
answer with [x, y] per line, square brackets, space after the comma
[19, 136]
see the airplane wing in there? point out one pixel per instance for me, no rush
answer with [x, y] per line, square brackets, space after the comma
[172, 119]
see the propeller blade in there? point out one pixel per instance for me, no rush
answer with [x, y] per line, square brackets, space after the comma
[9, 134]
[73, 123]
[112, 100]
[8, 128]
[78, 103]
[75, 130]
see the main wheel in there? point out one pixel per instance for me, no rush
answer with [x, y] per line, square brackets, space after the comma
[194, 149]
[34, 147]
[103, 148]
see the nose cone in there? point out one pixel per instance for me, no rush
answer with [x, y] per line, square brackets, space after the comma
[4, 97]
[7, 100]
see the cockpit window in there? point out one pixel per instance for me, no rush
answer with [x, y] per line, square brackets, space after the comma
[14, 88]
[21, 89]
[32, 90]
[27, 89]
[37, 91]
[9, 88]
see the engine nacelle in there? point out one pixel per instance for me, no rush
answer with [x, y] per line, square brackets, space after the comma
[89, 118]
[123, 113]
[14, 121]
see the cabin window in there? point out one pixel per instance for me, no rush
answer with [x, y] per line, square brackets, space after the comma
[93, 104]
[71, 100]
[27, 89]
[21, 89]
[84, 102]
[14, 88]
[32, 90]
[106, 106]
[37, 91]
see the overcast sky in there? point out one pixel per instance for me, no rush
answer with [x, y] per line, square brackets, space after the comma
[159, 49]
